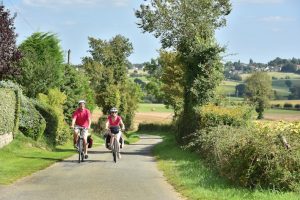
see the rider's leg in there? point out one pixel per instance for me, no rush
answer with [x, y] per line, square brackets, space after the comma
[85, 134]
[75, 136]
[118, 139]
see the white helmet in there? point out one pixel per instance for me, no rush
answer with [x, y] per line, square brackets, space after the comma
[113, 109]
[81, 101]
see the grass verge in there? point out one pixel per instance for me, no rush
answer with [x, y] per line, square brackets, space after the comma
[190, 177]
[24, 156]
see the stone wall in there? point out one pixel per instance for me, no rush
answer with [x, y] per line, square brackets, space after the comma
[5, 139]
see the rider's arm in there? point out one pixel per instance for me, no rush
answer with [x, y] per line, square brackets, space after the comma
[73, 122]
[122, 125]
[106, 125]
[90, 120]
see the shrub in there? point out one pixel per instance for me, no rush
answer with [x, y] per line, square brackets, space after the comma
[288, 105]
[51, 108]
[14, 103]
[8, 109]
[32, 124]
[297, 106]
[154, 127]
[276, 105]
[253, 156]
[212, 115]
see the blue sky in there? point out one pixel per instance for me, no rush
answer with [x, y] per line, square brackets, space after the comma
[257, 29]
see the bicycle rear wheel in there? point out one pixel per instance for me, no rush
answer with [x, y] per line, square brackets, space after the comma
[115, 150]
[80, 151]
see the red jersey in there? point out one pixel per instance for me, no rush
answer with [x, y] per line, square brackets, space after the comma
[82, 117]
[115, 122]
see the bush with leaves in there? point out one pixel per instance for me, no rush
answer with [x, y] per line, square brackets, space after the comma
[76, 87]
[52, 109]
[253, 156]
[42, 64]
[32, 124]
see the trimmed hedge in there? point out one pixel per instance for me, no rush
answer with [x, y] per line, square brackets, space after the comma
[8, 102]
[18, 92]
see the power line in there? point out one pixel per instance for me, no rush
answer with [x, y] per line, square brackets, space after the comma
[21, 15]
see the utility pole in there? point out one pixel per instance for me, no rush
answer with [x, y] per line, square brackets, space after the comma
[69, 52]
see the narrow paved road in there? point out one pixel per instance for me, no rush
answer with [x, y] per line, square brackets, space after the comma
[135, 176]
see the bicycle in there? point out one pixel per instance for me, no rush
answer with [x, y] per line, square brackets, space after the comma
[115, 148]
[80, 143]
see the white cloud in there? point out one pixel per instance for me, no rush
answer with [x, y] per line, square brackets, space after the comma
[55, 3]
[277, 19]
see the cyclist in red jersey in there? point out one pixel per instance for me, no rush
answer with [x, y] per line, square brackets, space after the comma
[113, 124]
[81, 118]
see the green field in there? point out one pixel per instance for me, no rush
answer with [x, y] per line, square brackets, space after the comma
[146, 107]
[227, 88]
[278, 75]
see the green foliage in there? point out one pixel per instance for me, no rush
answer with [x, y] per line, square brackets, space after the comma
[212, 115]
[259, 91]
[32, 124]
[18, 92]
[155, 127]
[130, 97]
[51, 108]
[76, 86]
[240, 90]
[107, 69]
[186, 28]
[173, 80]
[251, 156]
[42, 64]
[288, 105]
[8, 109]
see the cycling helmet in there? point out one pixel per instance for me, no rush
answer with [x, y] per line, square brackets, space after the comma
[113, 110]
[81, 101]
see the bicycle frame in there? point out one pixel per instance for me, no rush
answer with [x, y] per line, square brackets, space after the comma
[80, 144]
[115, 147]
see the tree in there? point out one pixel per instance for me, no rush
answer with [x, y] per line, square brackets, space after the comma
[289, 68]
[76, 86]
[107, 68]
[288, 83]
[295, 92]
[259, 91]
[9, 54]
[173, 81]
[240, 90]
[188, 27]
[42, 64]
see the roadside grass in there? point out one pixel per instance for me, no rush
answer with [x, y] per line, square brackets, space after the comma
[130, 137]
[24, 156]
[190, 176]
[148, 107]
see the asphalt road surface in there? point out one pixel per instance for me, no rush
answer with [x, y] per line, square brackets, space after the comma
[135, 177]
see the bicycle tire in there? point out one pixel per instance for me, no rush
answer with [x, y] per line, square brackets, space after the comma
[80, 151]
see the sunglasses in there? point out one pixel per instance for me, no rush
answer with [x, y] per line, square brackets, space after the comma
[113, 112]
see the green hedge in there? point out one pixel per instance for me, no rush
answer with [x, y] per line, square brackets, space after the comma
[8, 102]
[155, 127]
[32, 124]
[252, 156]
[212, 115]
